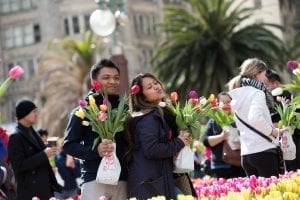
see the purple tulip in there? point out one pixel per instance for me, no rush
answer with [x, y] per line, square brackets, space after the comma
[82, 103]
[105, 101]
[292, 64]
[193, 94]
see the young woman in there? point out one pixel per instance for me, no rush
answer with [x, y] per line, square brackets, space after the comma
[253, 103]
[152, 144]
[214, 137]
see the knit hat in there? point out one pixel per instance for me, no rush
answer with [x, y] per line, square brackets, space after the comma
[23, 108]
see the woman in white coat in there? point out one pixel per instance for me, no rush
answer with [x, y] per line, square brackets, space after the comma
[253, 103]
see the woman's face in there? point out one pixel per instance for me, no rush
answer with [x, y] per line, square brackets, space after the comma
[262, 77]
[152, 90]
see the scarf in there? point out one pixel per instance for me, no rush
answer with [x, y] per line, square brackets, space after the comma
[260, 86]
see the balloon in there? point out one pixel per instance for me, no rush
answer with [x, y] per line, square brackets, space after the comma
[102, 22]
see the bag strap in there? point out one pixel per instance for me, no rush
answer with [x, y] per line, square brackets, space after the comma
[255, 130]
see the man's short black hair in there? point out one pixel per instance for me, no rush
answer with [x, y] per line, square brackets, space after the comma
[101, 64]
[272, 76]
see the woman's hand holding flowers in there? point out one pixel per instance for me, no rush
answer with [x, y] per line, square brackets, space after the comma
[185, 137]
[105, 148]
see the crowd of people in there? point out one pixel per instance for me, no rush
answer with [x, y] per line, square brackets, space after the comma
[150, 141]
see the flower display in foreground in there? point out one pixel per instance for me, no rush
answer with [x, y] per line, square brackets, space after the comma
[13, 74]
[105, 120]
[295, 83]
[285, 187]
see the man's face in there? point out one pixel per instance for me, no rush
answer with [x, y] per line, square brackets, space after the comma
[271, 85]
[109, 79]
[32, 117]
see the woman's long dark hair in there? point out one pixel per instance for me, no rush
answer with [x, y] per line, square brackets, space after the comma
[138, 103]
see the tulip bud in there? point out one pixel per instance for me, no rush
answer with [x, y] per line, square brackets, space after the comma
[16, 72]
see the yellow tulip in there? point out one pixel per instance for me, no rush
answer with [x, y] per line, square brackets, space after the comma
[79, 113]
[92, 103]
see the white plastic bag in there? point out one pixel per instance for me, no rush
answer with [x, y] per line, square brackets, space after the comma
[288, 146]
[184, 162]
[233, 137]
[109, 169]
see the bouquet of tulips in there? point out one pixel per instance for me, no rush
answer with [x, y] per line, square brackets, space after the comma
[220, 113]
[187, 116]
[187, 120]
[106, 121]
[288, 115]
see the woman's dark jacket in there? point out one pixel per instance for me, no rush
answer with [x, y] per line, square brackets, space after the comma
[150, 171]
[33, 173]
[78, 142]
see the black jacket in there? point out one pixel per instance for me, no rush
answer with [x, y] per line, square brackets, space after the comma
[33, 173]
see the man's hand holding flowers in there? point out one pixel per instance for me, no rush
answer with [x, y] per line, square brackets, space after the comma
[105, 148]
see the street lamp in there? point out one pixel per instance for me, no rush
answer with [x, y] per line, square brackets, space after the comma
[103, 22]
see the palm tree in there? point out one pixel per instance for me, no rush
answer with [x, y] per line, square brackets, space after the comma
[62, 75]
[203, 47]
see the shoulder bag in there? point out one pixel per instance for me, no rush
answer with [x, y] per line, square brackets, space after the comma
[278, 148]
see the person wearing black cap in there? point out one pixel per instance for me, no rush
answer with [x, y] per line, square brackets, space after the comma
[29, 156]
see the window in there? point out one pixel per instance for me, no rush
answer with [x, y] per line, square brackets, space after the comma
[257, 3]
[66, 25]
[21, 35]
[37, 33]
[87, 22]
[25, 4]
[8, 38]
[7, 6]
[28, 35]
[17, 34]
[75, 22]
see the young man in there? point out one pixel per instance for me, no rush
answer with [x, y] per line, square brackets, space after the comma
[79, 138]
[29, 156]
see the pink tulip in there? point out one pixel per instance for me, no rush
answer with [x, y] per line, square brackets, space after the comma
[135, 89]
[16, 72]
[292, 64]
[35, 198]
[102, 116]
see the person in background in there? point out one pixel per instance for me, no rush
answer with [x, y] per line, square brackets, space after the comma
[43, 134]
[199, 159]
[79, 138]
[29, 156]
[253, 103]
[274, 85]
[213, 137]
[151, 143]
[69, 170]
